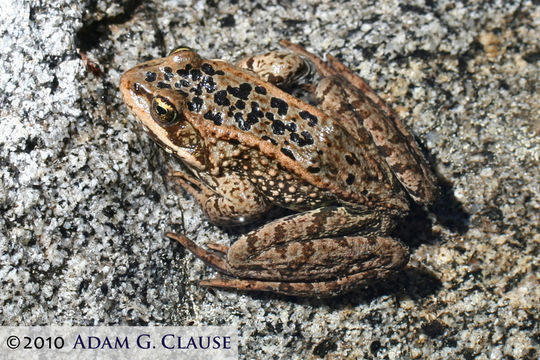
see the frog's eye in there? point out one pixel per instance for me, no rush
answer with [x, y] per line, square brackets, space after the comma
[180, 49]
[163, 111]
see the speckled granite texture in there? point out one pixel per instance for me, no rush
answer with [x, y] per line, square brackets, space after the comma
[84, 200]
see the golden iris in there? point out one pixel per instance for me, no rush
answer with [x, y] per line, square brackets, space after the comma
[164, 111]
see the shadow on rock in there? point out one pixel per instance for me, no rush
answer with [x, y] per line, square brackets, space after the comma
[448, 211]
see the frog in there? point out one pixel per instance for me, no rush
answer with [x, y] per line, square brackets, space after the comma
[344, 166]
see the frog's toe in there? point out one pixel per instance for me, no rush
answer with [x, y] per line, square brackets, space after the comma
[214, 258]
[218, 248]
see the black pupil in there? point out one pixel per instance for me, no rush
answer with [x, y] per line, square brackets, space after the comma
[160, 110]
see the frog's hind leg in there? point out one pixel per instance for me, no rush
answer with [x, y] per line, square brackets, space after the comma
[361, 109]
[371, 268]
[218, 248]
[363, 86]
[334, 67]
[323, 68]
[214, 258]
[316, 289]
[377, 259]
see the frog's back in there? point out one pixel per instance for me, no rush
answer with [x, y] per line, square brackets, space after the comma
[226, 103]
[302, 139]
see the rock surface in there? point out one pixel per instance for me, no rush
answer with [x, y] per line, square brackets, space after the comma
[84, 200]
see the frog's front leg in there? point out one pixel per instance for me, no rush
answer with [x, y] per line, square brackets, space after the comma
[311, 253]
[234, 200]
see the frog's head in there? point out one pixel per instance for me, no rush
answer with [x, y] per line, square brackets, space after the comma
[149, 92]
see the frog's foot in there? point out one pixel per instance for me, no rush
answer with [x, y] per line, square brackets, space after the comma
[322, 68]
[282, 69]
[317, 289]
[215, 257]
[334, 67]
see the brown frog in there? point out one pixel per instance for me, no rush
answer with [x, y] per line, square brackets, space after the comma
[347, 167]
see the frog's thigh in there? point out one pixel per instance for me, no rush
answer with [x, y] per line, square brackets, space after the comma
[329, 221]
[333, 99]
[321, 259]
[310, 246]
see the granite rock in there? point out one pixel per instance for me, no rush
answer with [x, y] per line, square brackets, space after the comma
[85, 201]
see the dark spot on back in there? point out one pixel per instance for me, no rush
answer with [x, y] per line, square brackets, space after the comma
[288, 153]
[241, 92]
[278, 127]
[163, 85]
[291, 127]
[260, 90]
[182, 83]
[195, 74]
[241, 123]
[209, 84]
[197, 90]
[313, 169]
[168, 73]
[303, 139]
[311, 119]
[240, 104]
[183, 73]
[350, 179]
[267, 138]
[279, 104]
[150, 76]
[207, 69]
[220, 98]
[255, 113]
[217, 117]
[195, 104]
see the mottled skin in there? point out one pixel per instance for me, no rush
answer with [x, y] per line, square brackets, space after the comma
[344, 166]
